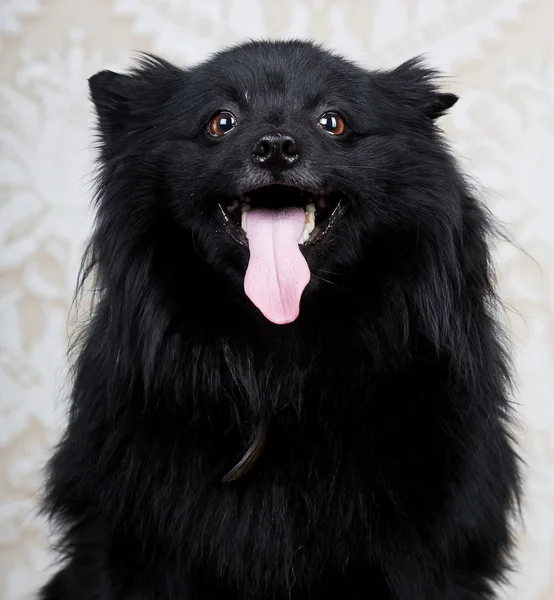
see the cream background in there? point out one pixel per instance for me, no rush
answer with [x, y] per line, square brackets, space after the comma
[500, 58]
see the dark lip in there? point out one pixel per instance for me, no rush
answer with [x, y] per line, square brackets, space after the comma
[321, 229]
[310, 189]
[238, 234]
[303, 180]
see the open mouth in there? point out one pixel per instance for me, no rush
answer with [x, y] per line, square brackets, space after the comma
[321, 211]
[275, 222]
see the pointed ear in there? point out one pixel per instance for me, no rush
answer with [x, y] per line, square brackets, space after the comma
[111, 94]
[123, 100]
[440, 103]
[414, 85]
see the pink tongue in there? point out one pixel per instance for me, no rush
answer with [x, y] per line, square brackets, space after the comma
[277, 272]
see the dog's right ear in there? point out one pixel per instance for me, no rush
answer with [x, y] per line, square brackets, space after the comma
[111, 94]
[128, 99]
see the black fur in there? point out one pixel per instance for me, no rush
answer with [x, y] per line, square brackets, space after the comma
[388, 471]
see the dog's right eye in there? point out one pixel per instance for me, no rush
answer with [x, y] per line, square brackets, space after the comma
[221, 124]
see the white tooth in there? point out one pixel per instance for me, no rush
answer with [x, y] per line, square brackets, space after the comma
[310, 222]
[310, 208]
[304, 237]
[243, 220]
[245, 207]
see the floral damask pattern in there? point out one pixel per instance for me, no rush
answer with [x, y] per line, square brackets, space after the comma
[499, 56]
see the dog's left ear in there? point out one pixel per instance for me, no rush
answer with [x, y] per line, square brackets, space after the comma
[415, 85]
[439, 103]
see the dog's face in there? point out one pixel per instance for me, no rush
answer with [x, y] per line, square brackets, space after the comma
[281, 160]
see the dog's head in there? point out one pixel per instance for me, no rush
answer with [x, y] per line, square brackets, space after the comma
[279, 162]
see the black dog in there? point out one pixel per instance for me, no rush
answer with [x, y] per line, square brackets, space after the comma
[310, 405]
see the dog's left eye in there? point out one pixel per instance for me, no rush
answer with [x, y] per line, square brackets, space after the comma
[222, 123]
[332, 123]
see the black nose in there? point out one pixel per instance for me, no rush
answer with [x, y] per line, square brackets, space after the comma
[275, 151]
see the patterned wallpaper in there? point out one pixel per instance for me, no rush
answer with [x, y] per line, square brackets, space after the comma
[499, 55]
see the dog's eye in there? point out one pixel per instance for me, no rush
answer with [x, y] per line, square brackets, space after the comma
[222, 123]
[332, 123]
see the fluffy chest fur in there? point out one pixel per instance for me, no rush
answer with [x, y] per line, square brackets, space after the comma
[358, 465]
